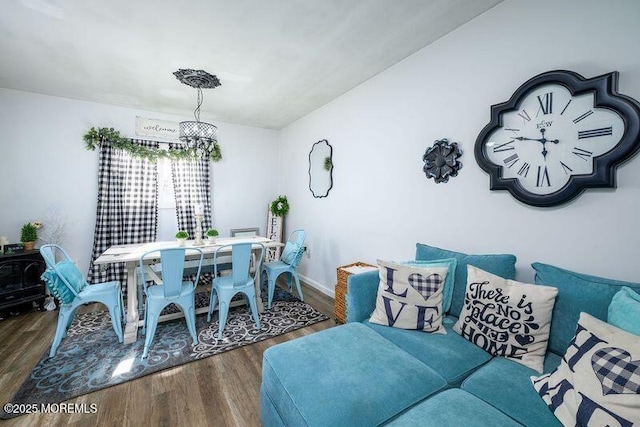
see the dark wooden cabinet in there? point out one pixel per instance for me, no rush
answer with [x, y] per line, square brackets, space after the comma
[20, 281]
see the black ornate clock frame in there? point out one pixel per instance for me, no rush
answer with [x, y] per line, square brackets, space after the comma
[605, 90]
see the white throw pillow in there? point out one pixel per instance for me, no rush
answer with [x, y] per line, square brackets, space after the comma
[507, 318]
[410, 297]
[598, 380]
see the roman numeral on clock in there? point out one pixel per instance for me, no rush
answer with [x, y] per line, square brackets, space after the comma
[567, 169]
[582, 117]
[543, 177]
[525, 116]
[546, 103]
[504, 147]
[582, 153]
[524, 169]
[592, 133]
[565, 107]
[511, 160]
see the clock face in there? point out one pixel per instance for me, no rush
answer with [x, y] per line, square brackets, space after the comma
[558, 135]
[552, 136]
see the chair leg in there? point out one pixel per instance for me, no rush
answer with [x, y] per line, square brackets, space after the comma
[212, 303]
[144, 323]
[69, 316]
[295, 276]
[272, 288]
[223, 311]
[289, 281]
[190, 316]
[116, 320]
[264, 278]
[61, 328]
[151, 324]
[253, 305]
[123, 314]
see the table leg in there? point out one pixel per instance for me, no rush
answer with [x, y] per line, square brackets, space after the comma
[131, 327]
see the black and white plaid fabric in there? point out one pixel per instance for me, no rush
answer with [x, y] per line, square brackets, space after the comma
[617, 373]
[426, 286]
[127, 209]
[191, 186]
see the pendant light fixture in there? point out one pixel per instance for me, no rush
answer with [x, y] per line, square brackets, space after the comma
[200, 137]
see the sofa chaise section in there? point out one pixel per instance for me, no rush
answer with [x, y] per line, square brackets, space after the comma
[348, 375]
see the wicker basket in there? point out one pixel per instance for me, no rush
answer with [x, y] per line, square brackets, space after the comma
[339, 306]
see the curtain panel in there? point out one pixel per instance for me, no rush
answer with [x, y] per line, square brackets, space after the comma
[191, 185]
[127, 210]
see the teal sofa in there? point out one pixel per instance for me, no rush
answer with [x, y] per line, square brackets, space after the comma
[364, 374]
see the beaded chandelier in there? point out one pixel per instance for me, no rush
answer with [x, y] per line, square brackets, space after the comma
[198, 136]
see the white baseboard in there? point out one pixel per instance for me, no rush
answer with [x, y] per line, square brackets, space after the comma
[329, 291]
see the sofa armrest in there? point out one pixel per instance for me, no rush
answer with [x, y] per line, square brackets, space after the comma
[360, 300]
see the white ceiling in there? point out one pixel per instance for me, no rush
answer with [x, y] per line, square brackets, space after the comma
[278, 60]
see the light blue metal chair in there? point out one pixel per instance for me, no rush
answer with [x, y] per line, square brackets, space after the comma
[288, 263]
[69, 286]
[224, 288]
[172, 290]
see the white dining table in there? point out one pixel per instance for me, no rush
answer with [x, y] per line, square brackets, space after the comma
[130, 256]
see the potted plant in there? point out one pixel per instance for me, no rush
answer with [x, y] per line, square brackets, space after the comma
[28, 236]
[182, 236]
[211, 234]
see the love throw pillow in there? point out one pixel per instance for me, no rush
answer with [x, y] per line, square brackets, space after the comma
[410, 297]
[507, 318]
[598, 380]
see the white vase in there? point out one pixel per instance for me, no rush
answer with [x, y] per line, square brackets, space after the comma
[181, 242]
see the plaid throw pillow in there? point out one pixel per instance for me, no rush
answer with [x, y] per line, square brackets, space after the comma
[598, 380]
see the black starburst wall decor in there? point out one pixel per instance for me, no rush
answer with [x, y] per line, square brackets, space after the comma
[441, 160]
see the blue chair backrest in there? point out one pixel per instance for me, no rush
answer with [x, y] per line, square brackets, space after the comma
[49, 252]
[172, 261]
[240, 261]
[294, 248]
[63, 278]
[301, 236]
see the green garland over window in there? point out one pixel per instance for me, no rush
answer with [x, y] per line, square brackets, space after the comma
[96, 137]
[280, 206]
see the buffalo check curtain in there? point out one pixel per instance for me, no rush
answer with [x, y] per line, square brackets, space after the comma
[191, 185]
[127, 209]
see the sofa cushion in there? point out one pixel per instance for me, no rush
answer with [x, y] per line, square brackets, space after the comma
[410, 297]
[598, 381]
[501, 265]
[450, 355]
[347, 375]
[507, 318]
[453, 407]
[451, 265]
[576, 293]
[507, 386]
[624, 310]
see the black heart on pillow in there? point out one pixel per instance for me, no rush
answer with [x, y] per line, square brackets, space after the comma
[618, 374]
[524, 339]
[426, 286]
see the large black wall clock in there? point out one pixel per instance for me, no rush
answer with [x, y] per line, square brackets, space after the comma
[558, 135]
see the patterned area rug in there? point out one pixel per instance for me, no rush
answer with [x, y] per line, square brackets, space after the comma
[90, 358]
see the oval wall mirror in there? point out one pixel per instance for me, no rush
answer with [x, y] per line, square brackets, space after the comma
[320, 169]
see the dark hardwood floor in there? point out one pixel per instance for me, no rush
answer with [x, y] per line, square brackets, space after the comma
[222, 390]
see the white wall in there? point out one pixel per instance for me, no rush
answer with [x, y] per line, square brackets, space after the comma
[44, 165]
[382, 203]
